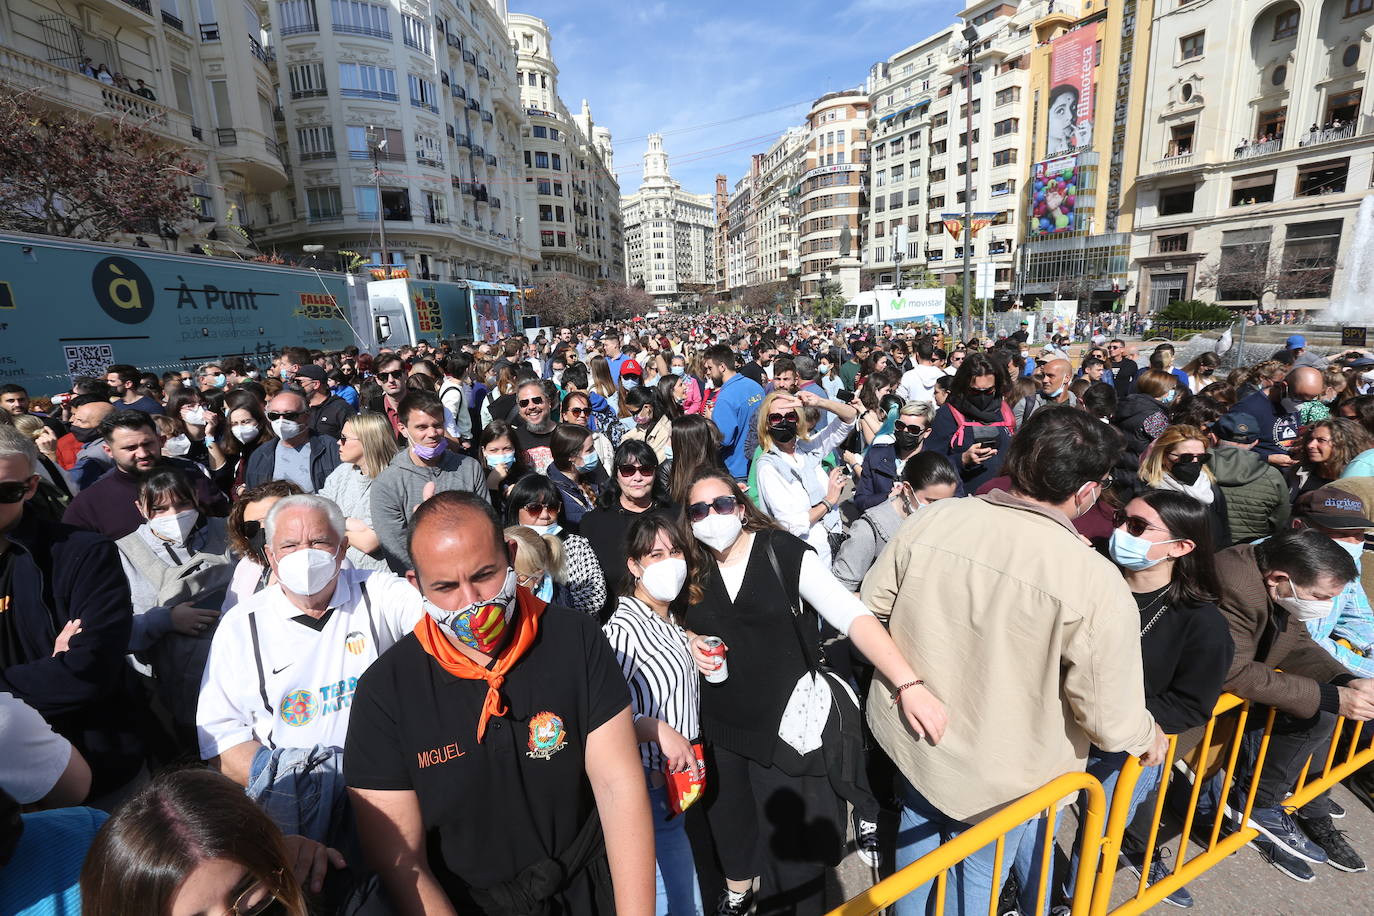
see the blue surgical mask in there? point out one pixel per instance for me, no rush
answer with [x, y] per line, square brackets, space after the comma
[679, 370]
[1169, 397]
[542, 530]
[629, 383]
[1131, 552]
[500, 461]
[544, 591]
[1356, 550]
[590, 462]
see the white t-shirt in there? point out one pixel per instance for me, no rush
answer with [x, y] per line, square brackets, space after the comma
[35, 756]
[919, 383]
[293, 684]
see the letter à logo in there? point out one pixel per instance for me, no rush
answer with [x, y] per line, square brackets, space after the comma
[123, 290]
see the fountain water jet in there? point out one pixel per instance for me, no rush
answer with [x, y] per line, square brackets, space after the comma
[1356, 305]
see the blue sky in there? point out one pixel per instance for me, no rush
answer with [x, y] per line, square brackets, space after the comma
[652, 65]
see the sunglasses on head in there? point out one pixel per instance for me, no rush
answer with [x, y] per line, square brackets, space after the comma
[721, 505]
[630, 470]
[285, 414]
[12, 491]
[1135, 525]
[537, 401]
[775, 418]
[394, 374]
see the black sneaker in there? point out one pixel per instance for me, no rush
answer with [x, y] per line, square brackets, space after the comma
[1279, 857]
[866, 843]
[743, 907]
[1339, 854]
[1337, 812]
[1135, 861]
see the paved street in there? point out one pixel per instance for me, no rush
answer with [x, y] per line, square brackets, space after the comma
[1243, 884]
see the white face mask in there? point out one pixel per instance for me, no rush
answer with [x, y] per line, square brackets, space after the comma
[176, 446]
[246, 432]
[663, 580]
[194, 416]
[718, 531]
[286, 429]
[307, 572]
[1305, 609]
[174, 528]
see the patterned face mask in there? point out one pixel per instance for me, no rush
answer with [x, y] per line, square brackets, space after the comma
[1310, 412]
[482, 624]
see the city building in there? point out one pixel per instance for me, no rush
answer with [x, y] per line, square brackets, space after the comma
[1255, 152]
[775, 207]
[927, 137]
[832, 185]
[1088, 76]
[670, 233]
[722, 285]
[209, 75]
[568, 169]
[434, 167]
[742, 240]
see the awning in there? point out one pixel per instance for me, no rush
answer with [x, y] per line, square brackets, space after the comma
[483, 286]
[903, 111]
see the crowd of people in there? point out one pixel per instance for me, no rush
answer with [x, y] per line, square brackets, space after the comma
[659, 618]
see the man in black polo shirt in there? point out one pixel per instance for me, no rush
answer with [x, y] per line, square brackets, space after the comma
[500, 729]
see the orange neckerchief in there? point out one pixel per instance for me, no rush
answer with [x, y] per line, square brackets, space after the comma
[433, 641]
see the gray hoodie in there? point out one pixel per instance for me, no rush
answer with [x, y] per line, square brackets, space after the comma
[400, 488]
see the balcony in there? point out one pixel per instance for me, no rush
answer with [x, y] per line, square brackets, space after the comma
[1252, 150]
[209, 31]
[491, 160]
[448, 128]
[483, 73]
[470, 58]
[366, 30]
[173, 21]
[454, 41]
[458, 92]
[276, 149]
[143, 6]
[430, 160]
[305, 28]
[266, 55]
[421, 103]
[466, 187]
[496, 203]
[1174, 163]
[376, 94]
[478, 151]
[487, 117]
[434, 220]
[464, 141]
[325, 217]
[474, 105]
[1327, 135]
[318, 155]
[310, 93]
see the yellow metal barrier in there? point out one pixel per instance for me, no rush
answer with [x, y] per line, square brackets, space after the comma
[1218, 749]
[936, 866]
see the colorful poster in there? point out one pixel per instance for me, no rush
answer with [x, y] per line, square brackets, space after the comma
[1073, 68]
[1054, 196]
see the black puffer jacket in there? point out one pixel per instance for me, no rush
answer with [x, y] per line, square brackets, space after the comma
[1140, 420]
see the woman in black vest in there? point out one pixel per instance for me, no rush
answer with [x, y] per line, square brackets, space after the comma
[772, 811]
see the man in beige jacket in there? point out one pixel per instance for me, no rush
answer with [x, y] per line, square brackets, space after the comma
[1029, 637]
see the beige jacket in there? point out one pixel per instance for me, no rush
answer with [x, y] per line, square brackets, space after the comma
[1029, 637]
[659, 438]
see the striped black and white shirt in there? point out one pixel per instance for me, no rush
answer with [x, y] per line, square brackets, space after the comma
[657, 664]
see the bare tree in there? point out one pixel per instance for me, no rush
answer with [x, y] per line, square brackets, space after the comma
[69, 174]
[559, 301]
[1256, 271]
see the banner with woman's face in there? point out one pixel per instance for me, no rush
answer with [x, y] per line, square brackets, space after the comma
[1073, 90]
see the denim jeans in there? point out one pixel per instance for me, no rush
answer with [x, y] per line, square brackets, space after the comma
[1106, 767]
[676, 892]
[921, 830]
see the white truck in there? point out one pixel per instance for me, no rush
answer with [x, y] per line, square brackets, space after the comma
[890, 306]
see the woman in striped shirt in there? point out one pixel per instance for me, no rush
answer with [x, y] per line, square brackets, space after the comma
[646, 635]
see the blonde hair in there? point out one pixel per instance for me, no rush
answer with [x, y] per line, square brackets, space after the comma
[1152, 465]
[765, 438]
[373, 430]
[536, 554]
[29, 425]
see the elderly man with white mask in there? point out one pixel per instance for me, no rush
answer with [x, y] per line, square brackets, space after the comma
[285, 661]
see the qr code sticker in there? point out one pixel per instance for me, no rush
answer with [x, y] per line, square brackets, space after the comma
[91, 360]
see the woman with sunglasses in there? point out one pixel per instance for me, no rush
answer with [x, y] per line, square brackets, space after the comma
[651, 423]
[192, 843]
[1161, 542]
[630, 492]
[575, 470]
[885, 459]
[773, 813]
[1178, 461]
[577, 410]
[535, 502]
[793, 485]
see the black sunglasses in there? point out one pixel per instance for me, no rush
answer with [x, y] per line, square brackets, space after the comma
[12, 491]
[537, 508]
[285, 414]
[901, 427]
[394, 374]
[579, 411]
[1135, 525]
[721, 505]
[526, 402]
[629, 470]
[775, 418]
[1193, 459]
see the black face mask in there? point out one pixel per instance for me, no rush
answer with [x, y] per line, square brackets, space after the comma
[906, 441]
[985, 401]
[1187, 472]
[783, 432]
[85, 434]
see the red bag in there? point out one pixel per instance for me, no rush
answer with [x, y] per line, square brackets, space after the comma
[686, 788]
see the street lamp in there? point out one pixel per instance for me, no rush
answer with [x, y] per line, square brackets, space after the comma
[970, 36]
[376, 142]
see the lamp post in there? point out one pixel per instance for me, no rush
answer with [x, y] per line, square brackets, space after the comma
[376, 142]
[970, 35]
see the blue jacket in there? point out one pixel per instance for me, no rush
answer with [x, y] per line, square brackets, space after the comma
[879, 474]
[1278, 432]
[943, 431]
[733, 415]
[59, 574]
[324, 458]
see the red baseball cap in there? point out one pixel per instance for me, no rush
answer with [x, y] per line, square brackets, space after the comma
[630, 367]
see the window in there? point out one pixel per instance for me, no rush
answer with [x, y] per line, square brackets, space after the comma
[543, 185]
[307, 80]
[315, 143]
[894, 200]
[938, 147]
[1003, 157]
[323, 203]
[364, 81]
[1168, 244]
[416, 34]
[1173, 201]
[557, 162]
[392, 145]
[1279, 76]
[1190, 46]
[1007, 96]
[427, 150]
[558, 189]
[541, 132]
[1343, 107]
[1286, 24]
[1005, 128]
[436, 208]
[1271, 123]
[937, 175]
[937, 202]
[1350, 56]
[422, 93]
[1322, 178]
[1309, 256]
[1181, 139]
[898, 173]
[1252, 189]
[963, 109]
[355, 18]
[541, 160]
[297, 18]
[940, 120]
[1355, 7]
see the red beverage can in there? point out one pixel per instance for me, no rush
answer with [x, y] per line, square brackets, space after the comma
[715, 646]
